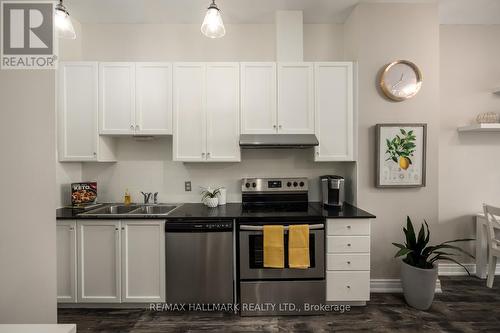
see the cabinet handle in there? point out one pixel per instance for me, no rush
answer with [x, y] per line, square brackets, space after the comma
[123, 228]
[274, 126]
[279, 126]
[208, 155]
[348, 227]
[348, 287]
[131, 127]
[71, 228]
[117, 229]
[348, 262]
[95, 154]
[317, 153]
[202, 154]
[348, 244]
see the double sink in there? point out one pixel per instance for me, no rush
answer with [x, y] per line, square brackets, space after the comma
[131, 210]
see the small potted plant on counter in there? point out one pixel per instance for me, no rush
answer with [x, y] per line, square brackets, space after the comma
[210, 197]
[419, 268]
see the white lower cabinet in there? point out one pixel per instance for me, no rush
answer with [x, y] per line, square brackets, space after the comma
[143, 261]
[110, 261]
[66, 261]
[348, 260]
[99, 264]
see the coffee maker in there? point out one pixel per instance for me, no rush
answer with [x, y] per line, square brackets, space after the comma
[332, 190]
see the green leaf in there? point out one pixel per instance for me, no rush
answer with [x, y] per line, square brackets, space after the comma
[401, 246]
[402, 252]
[395, 159]
[460, 240]
[428, 232]
[444, 258]
[410, 236]
[402, 131]
[409, 160]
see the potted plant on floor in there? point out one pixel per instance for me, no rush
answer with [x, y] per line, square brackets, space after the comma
[419, 268]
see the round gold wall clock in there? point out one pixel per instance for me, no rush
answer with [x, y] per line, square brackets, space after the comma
[401, 80]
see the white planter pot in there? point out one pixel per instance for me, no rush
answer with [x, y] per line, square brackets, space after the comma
[211, 202]
[419, 285]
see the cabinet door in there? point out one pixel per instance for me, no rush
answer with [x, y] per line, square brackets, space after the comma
[116, 98]
[334, 113]
[223, 112]
[66, 261]
[258, 98]
[189, 112]
[99, 261]
[295, 98]
[77, 111]
[153, 98]
[143, 261]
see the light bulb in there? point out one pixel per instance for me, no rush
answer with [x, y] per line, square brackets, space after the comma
[212, 26]
[63, 23]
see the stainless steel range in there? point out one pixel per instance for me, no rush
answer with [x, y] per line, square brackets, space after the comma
[265, 291]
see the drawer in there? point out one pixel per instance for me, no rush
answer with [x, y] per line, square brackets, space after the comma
[347, 286]
[348, 244]
[348, 262]
[348, 227]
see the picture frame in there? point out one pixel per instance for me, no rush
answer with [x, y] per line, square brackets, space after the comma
[401, 155]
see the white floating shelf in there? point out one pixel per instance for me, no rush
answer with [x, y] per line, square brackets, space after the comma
[495, 127]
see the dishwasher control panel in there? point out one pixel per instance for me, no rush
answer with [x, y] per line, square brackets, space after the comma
[197, 226]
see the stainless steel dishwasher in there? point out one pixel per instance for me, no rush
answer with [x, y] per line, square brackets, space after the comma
[199, 261]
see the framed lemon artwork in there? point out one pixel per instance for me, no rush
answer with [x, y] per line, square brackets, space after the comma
[401, 151]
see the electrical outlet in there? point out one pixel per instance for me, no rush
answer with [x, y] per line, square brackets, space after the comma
[187, 186]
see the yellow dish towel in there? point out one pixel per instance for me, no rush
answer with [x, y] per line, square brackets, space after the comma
[298, 246]
[274, 246]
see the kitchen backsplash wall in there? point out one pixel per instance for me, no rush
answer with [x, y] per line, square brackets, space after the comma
[148, 166]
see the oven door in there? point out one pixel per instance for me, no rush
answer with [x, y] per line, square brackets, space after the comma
[252, 255]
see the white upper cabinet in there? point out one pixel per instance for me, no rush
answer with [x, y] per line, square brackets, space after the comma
[189, 112]
[117, 98]
[334, 111]
[206, 112]
[295, 98]
[258, 98]
[223, 110]
[77, 104]
[153, 114]
[143, 260]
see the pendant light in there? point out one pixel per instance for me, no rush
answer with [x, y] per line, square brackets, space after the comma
[63, 22]
[212, 26]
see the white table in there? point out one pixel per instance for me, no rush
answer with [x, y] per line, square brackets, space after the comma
[38, 328]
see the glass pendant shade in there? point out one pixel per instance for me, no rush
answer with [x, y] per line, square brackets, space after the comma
[212, 26]
[63, 24]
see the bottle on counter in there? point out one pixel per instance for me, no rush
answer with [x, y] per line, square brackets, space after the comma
[127, 200]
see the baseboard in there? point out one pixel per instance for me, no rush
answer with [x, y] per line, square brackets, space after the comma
[392, 286]
[451, 269]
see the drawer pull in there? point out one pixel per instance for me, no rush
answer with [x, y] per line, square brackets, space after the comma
[348, 227]
[348, 287]
[348, 262]
[348, 244]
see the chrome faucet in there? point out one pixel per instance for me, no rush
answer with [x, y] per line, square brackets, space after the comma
[147, 197]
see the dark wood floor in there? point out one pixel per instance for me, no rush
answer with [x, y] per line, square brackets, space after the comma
[465, 305]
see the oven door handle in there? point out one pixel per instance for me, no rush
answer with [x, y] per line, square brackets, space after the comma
[260, 228]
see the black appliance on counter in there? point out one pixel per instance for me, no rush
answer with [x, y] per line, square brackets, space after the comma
[282, 201]
[332, 191]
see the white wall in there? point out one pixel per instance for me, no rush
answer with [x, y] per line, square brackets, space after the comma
[148, 166]
[67, 173]
[27, 199]
[469, 173]
[377, 34]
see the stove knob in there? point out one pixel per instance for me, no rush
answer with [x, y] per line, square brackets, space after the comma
[295, 184]
[254, 185]
[289, 184]
[247, 185]
[301, 184]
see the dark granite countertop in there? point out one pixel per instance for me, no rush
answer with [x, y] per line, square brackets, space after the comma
[191, 211]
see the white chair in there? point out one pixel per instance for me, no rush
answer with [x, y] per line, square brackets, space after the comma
[492, 215]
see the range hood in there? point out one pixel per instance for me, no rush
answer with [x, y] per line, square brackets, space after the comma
[277, 141]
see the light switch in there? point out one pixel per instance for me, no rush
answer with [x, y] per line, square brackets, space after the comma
[187, 186]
